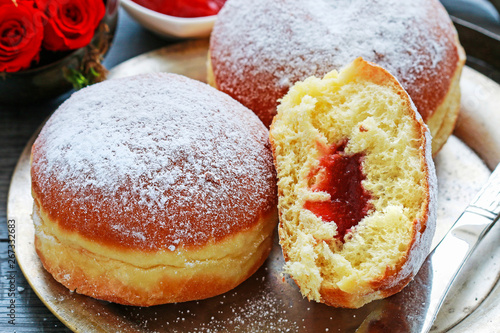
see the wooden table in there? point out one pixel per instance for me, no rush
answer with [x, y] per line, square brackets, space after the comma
[17, 125]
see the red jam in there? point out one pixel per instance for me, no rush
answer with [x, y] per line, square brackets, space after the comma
[183, 8]
[341, 177]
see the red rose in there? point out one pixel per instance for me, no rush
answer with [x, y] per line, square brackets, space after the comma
[21, 34]
[71, 23]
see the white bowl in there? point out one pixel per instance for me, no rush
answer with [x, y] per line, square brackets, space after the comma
[169, 26]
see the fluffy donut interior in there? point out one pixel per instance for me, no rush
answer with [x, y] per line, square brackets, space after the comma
[374, 118]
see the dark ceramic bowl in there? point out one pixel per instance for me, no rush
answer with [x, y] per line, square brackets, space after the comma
[47, 79]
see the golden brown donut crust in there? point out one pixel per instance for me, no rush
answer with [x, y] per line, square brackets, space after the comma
[239, 194]
[255, 59]
[153, 189]
[134, 277]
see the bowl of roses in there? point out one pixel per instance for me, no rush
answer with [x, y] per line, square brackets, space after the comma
[48, 47]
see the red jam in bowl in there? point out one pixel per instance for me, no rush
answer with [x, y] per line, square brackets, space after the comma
[340, 175]
[183, 8]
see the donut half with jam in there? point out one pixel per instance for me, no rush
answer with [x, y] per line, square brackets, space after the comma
[356, 183]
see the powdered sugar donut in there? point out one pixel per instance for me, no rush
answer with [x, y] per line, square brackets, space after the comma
[258, 49]
[153, 189]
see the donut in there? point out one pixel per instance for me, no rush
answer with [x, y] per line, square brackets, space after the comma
[357, 185]
[153, 189]
[258, 49]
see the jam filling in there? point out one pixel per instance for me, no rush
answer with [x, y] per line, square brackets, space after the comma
[340, 175]
[183, 8]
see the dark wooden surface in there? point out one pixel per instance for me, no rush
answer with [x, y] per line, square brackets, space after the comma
[17, 125]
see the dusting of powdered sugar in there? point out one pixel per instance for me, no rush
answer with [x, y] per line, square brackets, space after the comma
[153, 161]
[269, 45]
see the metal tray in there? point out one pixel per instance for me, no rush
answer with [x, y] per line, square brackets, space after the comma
[269, 301]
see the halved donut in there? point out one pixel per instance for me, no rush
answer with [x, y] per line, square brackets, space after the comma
[356, 183]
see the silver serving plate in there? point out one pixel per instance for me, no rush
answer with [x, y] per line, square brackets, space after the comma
[269, 301]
